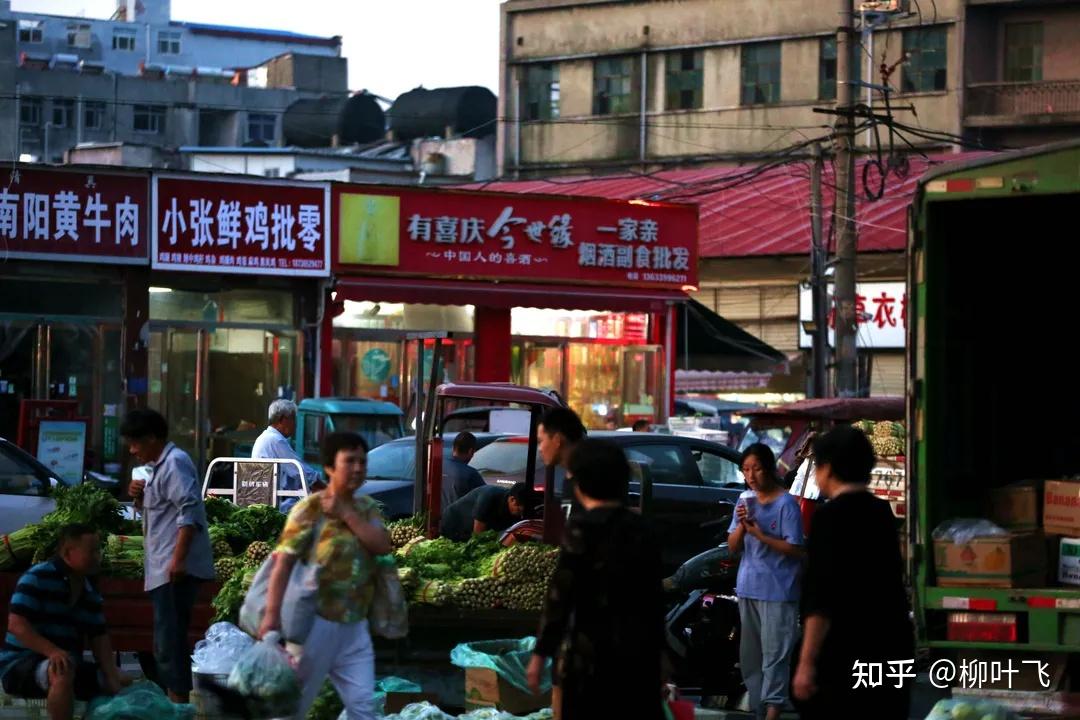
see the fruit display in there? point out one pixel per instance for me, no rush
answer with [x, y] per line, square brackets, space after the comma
[478, 574]
[888, 438]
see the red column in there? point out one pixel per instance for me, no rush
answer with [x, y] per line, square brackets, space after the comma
[492, 344]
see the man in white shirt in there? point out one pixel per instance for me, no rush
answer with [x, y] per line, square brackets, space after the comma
[274, 444]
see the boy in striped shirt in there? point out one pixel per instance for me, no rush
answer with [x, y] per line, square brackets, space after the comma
[53, 611]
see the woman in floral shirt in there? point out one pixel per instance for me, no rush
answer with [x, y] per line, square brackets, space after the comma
[350, 536]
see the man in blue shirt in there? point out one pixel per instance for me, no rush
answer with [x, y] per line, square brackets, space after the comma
[53, 611]
[274, 444]
[459, 478]
[177, 543]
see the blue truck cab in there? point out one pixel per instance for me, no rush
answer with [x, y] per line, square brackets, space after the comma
[376, 421]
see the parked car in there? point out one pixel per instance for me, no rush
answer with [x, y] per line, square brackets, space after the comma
[391, 472]
[696, 484]
[25, 488]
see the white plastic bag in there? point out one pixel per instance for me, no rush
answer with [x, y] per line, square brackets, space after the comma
[964, 530]
[223, 646]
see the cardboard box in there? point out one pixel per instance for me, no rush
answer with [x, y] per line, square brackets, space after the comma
[1017, 560]
[484, 688]
[1069, 562]
[1016, 507]
[1061, 508]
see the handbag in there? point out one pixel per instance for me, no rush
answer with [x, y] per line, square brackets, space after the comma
[299, 602]
[389, 613]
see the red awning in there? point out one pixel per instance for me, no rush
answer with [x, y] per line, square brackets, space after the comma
[505, 295]
[768, 215]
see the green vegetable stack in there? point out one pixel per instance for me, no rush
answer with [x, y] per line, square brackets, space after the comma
[123, 556]
[403, 531]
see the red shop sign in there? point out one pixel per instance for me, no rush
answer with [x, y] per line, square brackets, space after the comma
[73, 215]
[243, 226]
[506, 236]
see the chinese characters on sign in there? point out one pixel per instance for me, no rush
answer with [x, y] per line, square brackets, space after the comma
[966, 674]
[881, 309]
[217, 225]
[64, 215]
[495, 236]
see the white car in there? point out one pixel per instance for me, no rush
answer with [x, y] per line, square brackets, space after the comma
[25, 488]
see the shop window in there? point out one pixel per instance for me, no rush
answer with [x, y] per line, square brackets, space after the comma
[31, 31]
[123, 39]
[541, 92]
[262, 127]
[613, 86]
[63, 113]
[93, 115]
[149, 119]
[232, 306]
[926, 68]
[1023, 52]
[30, 112]
[398, 316]
[761, 74]
[684, 79]
[168, 42]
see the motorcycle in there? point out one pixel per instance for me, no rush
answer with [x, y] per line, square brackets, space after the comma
[702, 628]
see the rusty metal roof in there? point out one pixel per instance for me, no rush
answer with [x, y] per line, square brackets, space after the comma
[768, 215]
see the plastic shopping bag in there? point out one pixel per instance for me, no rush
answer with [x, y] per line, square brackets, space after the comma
[266, 679]
[508, 658]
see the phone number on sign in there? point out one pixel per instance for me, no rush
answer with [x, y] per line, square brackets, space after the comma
[967, 674]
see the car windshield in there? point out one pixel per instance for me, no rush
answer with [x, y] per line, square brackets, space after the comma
[376, 429]
[508, 457]
[396, 461]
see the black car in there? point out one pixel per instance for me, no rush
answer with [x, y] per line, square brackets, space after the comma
[391, 472]
[696, 484]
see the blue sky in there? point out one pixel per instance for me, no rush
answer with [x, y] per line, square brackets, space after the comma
[392, 46]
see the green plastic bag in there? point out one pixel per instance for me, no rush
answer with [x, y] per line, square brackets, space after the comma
[508, 658]
[389, 685]
[141, 701]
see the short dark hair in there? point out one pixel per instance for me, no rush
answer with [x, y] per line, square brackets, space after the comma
[764, 455]
[143, 424]
[566, 421]
[334, 443]
[465, 442]
[848, 452]
[639, 424]
[520, 492]
[600, 469]
[73, 532]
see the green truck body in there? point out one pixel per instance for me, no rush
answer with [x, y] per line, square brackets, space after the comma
[993, 269]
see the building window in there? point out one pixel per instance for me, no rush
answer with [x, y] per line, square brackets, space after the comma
[63, 113]
[30, 112]
[93, 115]
[272, 172]
[168, 42]
[925, 69]
[613, 86]
[541, 91]
[827, 68]
[761, 74]
[149, 119]
[684, 79]
[1023, 52]
[78, 36]
[261, 128]
[123, 39]
[31, 31]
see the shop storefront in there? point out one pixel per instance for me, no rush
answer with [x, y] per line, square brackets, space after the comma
[71, 242]
[571, 294]
[238, 267]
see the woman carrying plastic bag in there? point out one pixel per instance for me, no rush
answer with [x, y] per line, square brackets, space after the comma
[342, 535]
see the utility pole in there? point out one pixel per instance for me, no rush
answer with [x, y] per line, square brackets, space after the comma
[844, 219]
[818, 284]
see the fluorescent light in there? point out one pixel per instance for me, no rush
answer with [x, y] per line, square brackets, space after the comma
[157, 290]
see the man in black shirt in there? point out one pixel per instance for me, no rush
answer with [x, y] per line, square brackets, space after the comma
[488, 508]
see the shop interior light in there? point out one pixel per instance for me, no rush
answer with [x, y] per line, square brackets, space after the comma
[159, 290]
